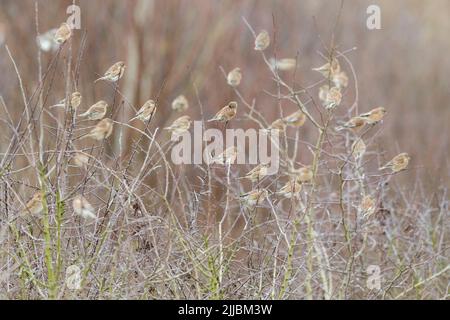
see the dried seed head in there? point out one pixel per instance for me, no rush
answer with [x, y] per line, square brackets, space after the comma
[180, 104]
[83, 208]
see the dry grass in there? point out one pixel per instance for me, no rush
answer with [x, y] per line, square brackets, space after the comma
[175, 232]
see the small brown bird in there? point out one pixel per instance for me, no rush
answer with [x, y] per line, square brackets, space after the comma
[328, 70]
[355, 124]
[227, 113]
[80, 160]
[333, 99]
[399, 163]
[228, 157]
[146, 112]
[102, 130]
[367, 206]
[262, 41]
[63, 33]
[374, 116]
[179, 126]
[285, 64]
[34, 205]
[234, 77]
[358, 149]
[291, 189]
[253, 198]
[303, 175]
[114, 73]
[296, 119]
[278, 125]
[180, 104]
[96, 111]
[83, 208]
[257, 173]
[340, 80]
[75, 101]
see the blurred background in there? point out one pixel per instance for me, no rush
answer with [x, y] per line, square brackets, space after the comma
[404, 66]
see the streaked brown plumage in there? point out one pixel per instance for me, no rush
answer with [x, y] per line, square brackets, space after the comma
[398, 163]
[358, 148]
[34, 205]
[63, 33]
[227, 113]
[253, 198]
[328, 70]
[257, 173]
[114, 73]
[146, 112]
[102, 130]
[75, 101]
[81, 160]
[179, 126]
[83, 208]
[234, 77]
[228, 156]
[262, 41]
[374, 116]
[355, 124]
[333, 99]
[291, 189]
[96, 111]
[296, 119]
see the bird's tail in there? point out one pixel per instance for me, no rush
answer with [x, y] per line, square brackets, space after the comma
[99, 79]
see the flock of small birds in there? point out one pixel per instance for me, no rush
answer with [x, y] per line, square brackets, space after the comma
[330, 97]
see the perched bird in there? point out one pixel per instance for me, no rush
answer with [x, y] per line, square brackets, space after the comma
[180, 104]
[329, 69]
[234, 77]
[253, 198]
[227, 113]
[333, 99]
[47, 42]
[114, 73]
[374, 116]
[102, 130]
[291, 189]
[34, 205]
[179, 126]
[303, 175]
[96, 111]
[262, 41]
[358, 149]
[278, 125]
[146, 112]
[296, 119]
[355, 124]
[399, 163]
[257, 173]
[228, 157]
[63, 33]
[74, 103]
[367, 206]
[285, 64]
[80, 160]
[340, 80]
[83, 208]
